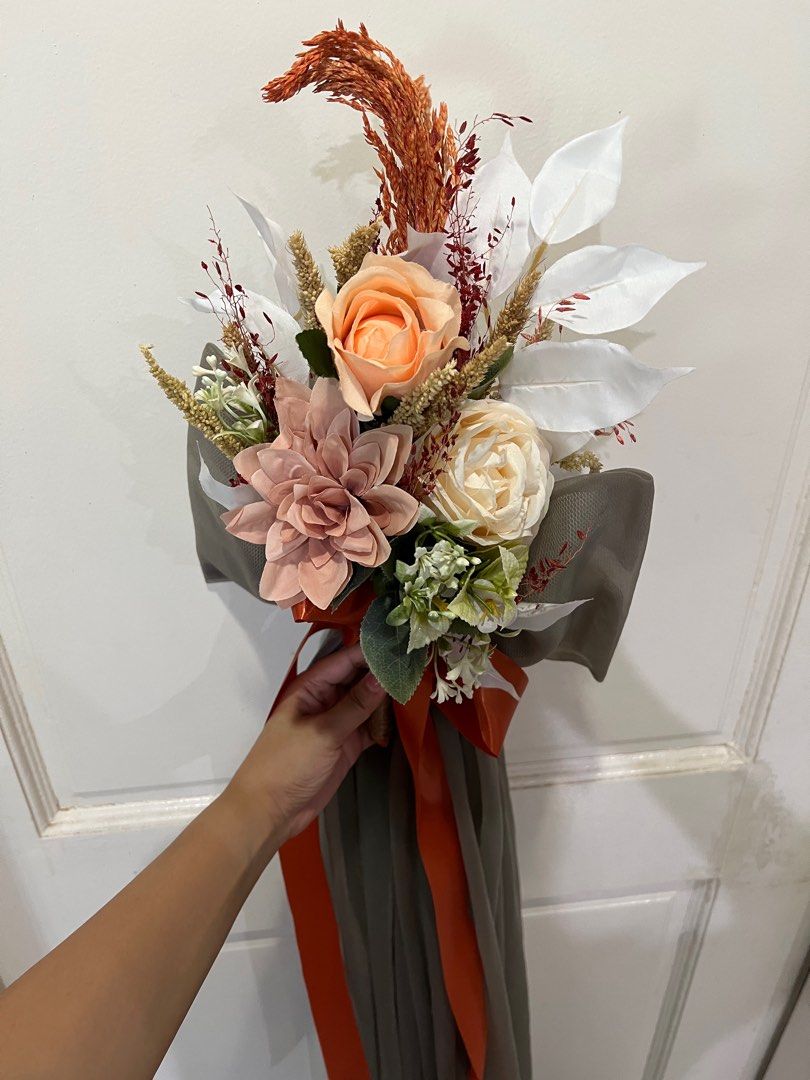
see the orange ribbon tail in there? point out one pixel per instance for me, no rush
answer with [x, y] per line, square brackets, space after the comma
[483, 720]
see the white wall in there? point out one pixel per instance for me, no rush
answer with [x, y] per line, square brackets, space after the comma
[120, 123]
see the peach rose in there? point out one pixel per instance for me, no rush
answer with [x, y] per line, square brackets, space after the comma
[389, 327]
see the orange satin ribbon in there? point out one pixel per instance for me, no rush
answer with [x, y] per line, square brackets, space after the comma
[483, 720]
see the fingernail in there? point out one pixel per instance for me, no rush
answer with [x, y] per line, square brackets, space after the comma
[372, 683]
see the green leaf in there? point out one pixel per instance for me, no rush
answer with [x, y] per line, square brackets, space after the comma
[463, 607]
[386, 651]
[315, 350]
[493, 371]
[389, 405]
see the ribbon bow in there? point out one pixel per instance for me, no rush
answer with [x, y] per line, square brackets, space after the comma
[483, 720]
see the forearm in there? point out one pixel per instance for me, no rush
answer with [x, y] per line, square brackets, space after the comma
[112, 996]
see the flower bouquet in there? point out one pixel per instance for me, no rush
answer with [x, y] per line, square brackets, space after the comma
[404, 450]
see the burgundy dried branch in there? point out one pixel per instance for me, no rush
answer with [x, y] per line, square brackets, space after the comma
[538, 577]
[234, 330]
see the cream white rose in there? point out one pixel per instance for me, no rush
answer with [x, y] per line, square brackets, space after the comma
[498, 475]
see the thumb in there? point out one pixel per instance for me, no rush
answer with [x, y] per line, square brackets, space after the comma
[354, 708]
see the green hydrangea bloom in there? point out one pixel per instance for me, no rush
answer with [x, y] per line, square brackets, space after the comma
[487, 597]
[449, 583]
[426, 587]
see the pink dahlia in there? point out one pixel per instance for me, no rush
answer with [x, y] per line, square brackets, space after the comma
[328, 495]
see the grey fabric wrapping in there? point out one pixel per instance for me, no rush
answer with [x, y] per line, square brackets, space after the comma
[614, 509]
[379, 889]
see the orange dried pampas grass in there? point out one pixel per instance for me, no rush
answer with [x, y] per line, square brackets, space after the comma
[417, 148]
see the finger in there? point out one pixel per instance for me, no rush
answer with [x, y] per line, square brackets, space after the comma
[340, 666]
[354, 708]
[338, 669]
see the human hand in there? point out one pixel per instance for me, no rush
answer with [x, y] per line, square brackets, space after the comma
[310, 741]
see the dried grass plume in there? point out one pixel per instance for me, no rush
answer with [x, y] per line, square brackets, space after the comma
[417, 148]
[195, 412]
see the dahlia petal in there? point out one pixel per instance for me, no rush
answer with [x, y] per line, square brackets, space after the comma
[281, 540]
[292, 412]
[279, 581]
[358, 478]
[281, 464]
[251, 522]
[393, 509]
[321, 584]
[325, 404]
[334, 453]
[358, 516]
[246, 461]
[319, 552]
[376, 448]
[358, 546]
[291, 401]
[296, 515]
[404, 435]
[388, 440]
[267, 488]
[368, 547]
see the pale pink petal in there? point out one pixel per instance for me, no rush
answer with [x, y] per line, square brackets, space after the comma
[394, 443]
[358, 516]
[368, 457]
[279, 581]
[321, 584]
[251, 522]
[378, 550]
[334, 454]
[281, 465]
[358, 478]
[325, 404]
[393, 509]
[319, 552]
[404, 435]
[246, 461]
[281, 540]
[296, 516]
[359, 545]
[291, 401]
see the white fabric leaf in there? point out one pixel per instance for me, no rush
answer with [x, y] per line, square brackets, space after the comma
[621, 285]
[541, 616]
[578, 185]
[496, 184]
[493, 680]
[579, 386]
[277, 339]
[429, 250]
[563, 443]
[231, 498]
[275, 245]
